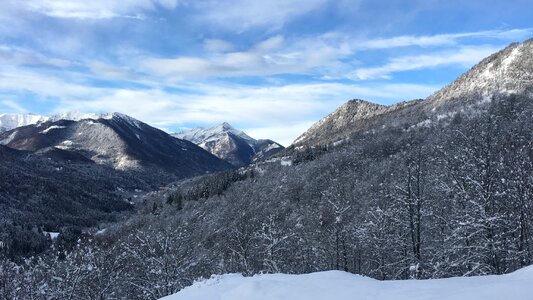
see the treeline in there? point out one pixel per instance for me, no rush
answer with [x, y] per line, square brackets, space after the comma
[214, 185]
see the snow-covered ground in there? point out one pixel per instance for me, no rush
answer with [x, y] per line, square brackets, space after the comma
[336, 285]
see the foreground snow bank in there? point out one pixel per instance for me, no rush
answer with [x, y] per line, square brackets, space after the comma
[337, 285]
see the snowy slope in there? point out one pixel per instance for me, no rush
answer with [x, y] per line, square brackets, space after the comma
[230, 144]
[336, 285]
[11, 121]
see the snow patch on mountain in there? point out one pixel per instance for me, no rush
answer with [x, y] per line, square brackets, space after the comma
[52, 128]
[78, 116]
[10, 138]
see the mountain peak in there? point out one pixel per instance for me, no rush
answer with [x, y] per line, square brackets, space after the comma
[509, 70]
[230, 144]
[225, 126]
[75, 115]
[347, 115]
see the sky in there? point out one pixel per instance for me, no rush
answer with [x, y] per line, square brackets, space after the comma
[271, 68]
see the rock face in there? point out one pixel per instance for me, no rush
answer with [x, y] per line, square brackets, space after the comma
[230, 144]
[115, 140]
[507, 72]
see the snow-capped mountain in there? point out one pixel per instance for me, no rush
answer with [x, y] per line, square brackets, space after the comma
[114, 139]
[506, 72]
[230, 144]
[12, 121]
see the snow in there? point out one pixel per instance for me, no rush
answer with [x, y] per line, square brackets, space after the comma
[125, 162]
[286, 162]
[511, 57]
[131, 121]
[101, 231]
[272, 147]
[53, 235]
[10, 138]
[337, 285]
[201, 136]
[12, 121]
[78, 116]
[52, 127]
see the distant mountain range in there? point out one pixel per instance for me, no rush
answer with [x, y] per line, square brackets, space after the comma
[12, 121]
[116, 140]
[230, 144]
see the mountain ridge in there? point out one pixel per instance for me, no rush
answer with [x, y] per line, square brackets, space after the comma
[116, 140]
[508, 71]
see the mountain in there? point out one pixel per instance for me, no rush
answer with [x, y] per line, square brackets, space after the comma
[499, 75]
[350, 115]
[11, 121]
[116, 140]
[424, 189]
[230, 144]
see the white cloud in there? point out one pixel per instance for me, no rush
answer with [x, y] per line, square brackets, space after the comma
[260, 110]
[14, 106]
[17, 56]
[96, 9]
[44, 85]
[440, 39]
[240, 15]
[217, 45]
[272, 56]
[284, 134]
[328, 56]
[465, 57]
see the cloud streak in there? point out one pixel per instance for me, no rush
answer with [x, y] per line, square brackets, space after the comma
[260, 109]
[327, 55]
[465, 57]
[440, 39]
[240, 15]
[96, 9]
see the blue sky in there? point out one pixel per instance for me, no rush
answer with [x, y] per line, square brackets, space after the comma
[271, 68]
